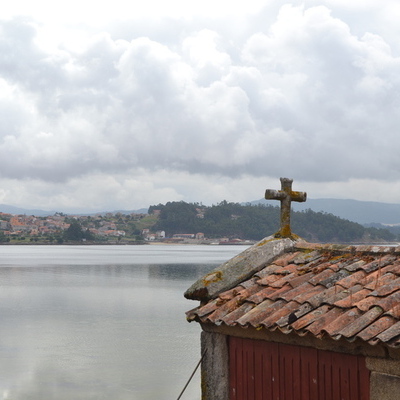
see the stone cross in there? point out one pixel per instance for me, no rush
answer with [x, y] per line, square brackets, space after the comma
[286, 195]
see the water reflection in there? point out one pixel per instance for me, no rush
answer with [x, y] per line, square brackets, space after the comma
[175, 272]
[105, 275]
[106, 255]
[98, 331]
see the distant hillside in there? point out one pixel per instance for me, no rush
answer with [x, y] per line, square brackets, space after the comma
[362, 212]
[5, 208]
[254, 222]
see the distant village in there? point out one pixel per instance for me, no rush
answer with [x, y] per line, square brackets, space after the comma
[180, 222]
[100, 228]
[53, 227]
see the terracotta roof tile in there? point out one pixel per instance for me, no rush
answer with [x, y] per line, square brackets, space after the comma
[372, 330]
[354, 266]
[324, 320]
[208, 308]
[220, 312]
[232, 317]
[389, 302]
[259, 312]
[394, 311]
[304, 258]
[362, 321]
[280, 293]
[269, 279]
[381, 280]
[366, 303]
[344, 320]
[393, 268]
[348, 263]
[371, 266]
[286, 259]
[322, 296]
[351, 280]
[289, 269]
[263, 294]
[353, 298]
[392, 286]
[322, 276]
[280, 313]
[300, 279]
[306, 296]
[249, 283]
[390, 333]
[290, 319]
[248, 291]
[297, 291]
[229, 294]
[334, 278]
[270, 269]
[322, 290]
[340, 294]
[283, 280]
[310, 317]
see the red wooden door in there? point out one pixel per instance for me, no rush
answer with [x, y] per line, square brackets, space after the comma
[273, 371]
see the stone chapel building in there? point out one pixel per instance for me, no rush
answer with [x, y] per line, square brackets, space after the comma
[292, 320]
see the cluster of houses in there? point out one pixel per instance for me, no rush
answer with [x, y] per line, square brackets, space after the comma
[189, 238]
[29, 225]
[178, 237]
[14, 225]
[100, 225]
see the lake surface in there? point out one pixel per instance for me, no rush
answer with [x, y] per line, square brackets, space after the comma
[100, 322]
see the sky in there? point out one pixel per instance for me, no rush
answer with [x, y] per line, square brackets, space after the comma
[118, 105]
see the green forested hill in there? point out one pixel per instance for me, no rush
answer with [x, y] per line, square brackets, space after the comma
[257, 221]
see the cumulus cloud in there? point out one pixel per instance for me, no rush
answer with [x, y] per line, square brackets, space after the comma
[304, 95]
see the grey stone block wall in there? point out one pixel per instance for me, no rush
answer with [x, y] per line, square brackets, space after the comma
[385, 378]
[215, 366]
[384, 386]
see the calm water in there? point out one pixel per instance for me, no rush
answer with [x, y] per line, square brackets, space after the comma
[100, 322]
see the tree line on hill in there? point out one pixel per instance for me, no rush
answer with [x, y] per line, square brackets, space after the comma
[254, 222]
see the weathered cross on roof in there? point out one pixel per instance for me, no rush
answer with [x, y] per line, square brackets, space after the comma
[286, 195]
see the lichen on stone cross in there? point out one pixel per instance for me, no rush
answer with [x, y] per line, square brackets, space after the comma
[286, 195]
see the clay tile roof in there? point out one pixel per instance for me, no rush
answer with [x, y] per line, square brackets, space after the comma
[328, 291]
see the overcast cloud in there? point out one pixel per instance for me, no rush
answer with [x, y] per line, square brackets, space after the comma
[120, 108]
